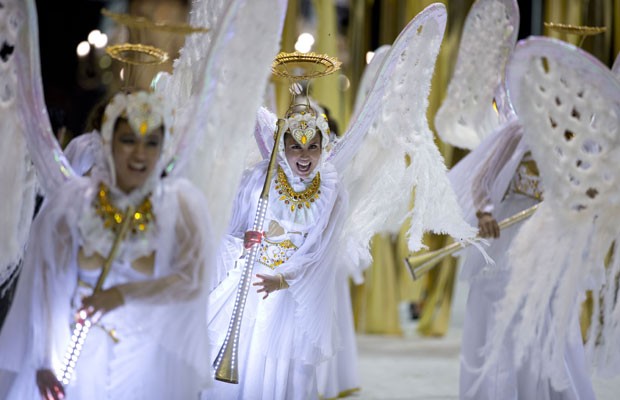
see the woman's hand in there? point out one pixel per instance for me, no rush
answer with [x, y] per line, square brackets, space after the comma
[100, 303]
[50, 387]
[487, 225]
[270, 283]
[251, 238]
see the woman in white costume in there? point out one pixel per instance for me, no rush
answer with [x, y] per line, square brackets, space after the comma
[504, 183]
[496, 180]
[287, 325]
[146, 342]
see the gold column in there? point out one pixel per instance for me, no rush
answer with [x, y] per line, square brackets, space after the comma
[289, 36]
[375, 302]
[359, 42]
[330, 90]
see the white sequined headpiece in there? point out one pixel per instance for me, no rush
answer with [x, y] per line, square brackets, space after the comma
[144, 112]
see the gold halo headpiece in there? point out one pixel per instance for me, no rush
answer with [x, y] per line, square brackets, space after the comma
[137, 54]
[303, 66]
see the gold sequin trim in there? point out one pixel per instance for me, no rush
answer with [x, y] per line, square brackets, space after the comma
[297, 200]
[112, 217]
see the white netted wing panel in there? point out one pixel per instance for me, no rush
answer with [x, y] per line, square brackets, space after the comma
[466, 115]
[569, 105]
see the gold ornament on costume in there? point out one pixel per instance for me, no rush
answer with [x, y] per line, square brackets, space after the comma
[303, 66]
[112, 216]
[137, 54]
[297, 200]
[274, 254]
[302, 125]
[131, 21]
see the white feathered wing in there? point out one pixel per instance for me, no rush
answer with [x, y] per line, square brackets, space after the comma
[226, 90]
[569, 105]
[390, 126]
[26, 137]
[467, 115]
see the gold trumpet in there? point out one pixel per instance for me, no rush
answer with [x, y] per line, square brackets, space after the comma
[420, 264]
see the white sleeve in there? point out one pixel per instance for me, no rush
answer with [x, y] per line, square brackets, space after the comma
[487, 174]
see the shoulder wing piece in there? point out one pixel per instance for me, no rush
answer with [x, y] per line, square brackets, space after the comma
[467, 114]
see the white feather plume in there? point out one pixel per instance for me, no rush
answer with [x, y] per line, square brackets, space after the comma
[466, 115]
[226, 89]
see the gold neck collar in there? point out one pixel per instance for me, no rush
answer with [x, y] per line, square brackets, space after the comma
[297, 200]
[112, 216]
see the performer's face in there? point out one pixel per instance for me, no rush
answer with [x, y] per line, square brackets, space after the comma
[135, 156]
[302, 158]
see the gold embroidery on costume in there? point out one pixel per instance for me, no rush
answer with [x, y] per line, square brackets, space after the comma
[112, 217]
[273, 254]
[297, 200]
[527, 179]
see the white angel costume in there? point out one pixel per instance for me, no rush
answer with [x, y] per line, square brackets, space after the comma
[568, 103]
[499, 177]
[283, 337]
[505, 182]
[203, 86]
[150, 347]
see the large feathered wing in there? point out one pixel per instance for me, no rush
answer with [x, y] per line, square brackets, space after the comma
[467, 114]
[50, 162]
[26, 132]
[226, 90]
[390, 127]
[569, 105]
[369, 76]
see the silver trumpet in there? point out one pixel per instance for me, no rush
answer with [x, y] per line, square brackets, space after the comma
[420, 264]
[225, 363]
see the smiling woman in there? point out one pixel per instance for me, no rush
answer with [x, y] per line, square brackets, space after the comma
[302, 157]
[152, 292]
[135, 156]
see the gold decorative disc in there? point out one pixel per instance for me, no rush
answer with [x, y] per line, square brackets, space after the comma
[131, 21]
[137, 54]
[302, 66]
[575, 29]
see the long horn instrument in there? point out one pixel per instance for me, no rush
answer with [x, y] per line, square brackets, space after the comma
[420, 264]
[225, 363]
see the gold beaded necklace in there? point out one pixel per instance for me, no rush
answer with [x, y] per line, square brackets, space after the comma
[113, 217]
[297, 200]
